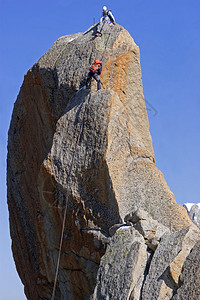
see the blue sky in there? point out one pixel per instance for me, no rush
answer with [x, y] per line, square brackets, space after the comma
[168, 34]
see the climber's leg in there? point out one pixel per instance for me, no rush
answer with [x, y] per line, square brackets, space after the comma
[96, 77]
[88, 81]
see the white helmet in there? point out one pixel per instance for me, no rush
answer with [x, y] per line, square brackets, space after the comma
[104, 8]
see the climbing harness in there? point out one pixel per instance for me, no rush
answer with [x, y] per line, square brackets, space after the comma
[67, 194]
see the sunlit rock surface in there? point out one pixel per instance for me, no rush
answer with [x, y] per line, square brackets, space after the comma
[113, 169]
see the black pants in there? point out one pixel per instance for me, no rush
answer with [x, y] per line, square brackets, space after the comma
[104, 26]
[96, 77]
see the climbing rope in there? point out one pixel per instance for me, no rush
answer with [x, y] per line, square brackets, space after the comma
[98, 39]
[67, 195]
[106, 44]
[70, 171]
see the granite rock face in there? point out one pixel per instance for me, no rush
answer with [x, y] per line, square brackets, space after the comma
[121, 272]
[113, 167]
[164, 278]
[130, 269]
[150, 229]
[190, 279]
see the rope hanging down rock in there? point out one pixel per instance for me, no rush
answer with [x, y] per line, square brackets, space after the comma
[67, 195]
[106, 44]
[69, 175]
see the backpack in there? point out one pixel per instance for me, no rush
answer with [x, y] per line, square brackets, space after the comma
[111, 19]
[95, 66]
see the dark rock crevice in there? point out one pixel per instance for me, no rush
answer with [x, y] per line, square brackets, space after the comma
[150, 254]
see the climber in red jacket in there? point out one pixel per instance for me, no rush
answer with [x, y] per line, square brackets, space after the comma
[95, 71]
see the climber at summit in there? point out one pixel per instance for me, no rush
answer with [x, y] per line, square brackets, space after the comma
[94, 72]
[106, 19]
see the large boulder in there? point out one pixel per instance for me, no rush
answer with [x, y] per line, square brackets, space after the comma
[165, 272]
[122, 269]
[151, 229]
[132, 269]
[113, 162]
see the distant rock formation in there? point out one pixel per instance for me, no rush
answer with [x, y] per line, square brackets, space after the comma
[113, 174]
[193, 210]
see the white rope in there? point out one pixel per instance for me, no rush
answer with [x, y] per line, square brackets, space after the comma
[60, 247]
[66, 197]
[69, 175]
[111, 28]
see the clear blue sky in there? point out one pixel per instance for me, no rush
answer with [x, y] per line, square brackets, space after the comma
[168, 34]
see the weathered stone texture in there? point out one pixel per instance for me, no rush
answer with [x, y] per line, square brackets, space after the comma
[170, 271]
[121, 272]
[150, 229]
[166, 267]
[113, 170]
[190, 277]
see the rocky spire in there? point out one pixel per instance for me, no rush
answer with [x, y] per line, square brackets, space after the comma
[113, 171]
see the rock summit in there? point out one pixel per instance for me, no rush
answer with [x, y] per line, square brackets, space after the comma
[113, 175]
